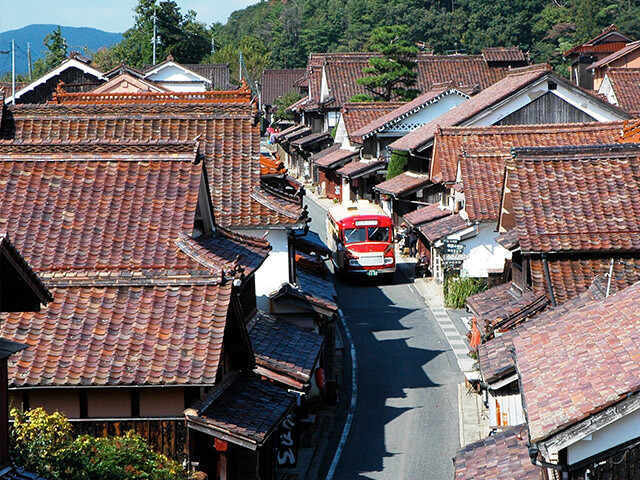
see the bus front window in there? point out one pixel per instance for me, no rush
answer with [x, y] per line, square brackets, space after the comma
[355, 235]
[378, 234]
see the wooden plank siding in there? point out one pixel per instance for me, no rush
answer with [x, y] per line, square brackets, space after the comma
[168, 437]
[548, 108]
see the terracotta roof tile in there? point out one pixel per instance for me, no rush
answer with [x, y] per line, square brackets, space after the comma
[626, 87]
[278, 82]
[218, 73]
[508, 240]
[358, 115]
[502, 456]
[244, 407]
[626, 50]
[516, 79]
[360, 168]
[577, 198]
[402, 184]
[284, 348]
[505, 54]
[505, 305]
[426, 214]
[597, 41]
[442, 227]
[223, 123]
[332, 156]
[449, 142]
[121, 335]
[482, 172]
[596, 368]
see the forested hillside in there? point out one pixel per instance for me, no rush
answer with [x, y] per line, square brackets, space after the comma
[282, 33]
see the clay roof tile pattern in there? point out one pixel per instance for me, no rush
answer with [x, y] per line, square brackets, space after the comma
[278, 82]
[596, 368]
[404, 183]
[450, 142]
[335, 157]
[509, 239]
[358, 115]
[577, 198]
[223, 123]
[283, 347]
[426, 214]
[360, 168]
[626, 87]
[626, 50]
[121, 335]
[443, 227]
[504, 54]
[502, 456]
[244, 407]
[482, 172]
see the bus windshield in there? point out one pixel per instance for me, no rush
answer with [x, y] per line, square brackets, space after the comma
[355, 235]
[378, 234]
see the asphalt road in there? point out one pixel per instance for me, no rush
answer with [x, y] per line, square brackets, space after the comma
[406, 419]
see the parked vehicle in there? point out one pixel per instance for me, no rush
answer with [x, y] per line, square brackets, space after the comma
[361, 238]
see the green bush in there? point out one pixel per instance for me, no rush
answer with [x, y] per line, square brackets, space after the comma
[457, 289]
[43, 444]
[397, 164]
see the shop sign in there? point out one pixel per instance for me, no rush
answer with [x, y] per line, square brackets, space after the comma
[287, 442]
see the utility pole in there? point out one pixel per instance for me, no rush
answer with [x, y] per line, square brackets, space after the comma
[13, 71]
[213, 46]
[29, 58]
[154, 35]
[240, 64]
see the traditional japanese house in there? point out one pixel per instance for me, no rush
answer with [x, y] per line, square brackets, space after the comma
[621, 87]
[626, 57]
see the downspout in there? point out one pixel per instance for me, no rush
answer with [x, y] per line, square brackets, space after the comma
[547, 276]
[533, 455]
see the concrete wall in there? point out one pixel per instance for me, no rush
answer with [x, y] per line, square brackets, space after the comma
[275, 269]
[485, 254]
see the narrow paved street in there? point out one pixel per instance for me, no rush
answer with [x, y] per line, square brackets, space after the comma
[406, 419]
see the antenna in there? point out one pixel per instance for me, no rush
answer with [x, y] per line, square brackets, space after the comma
[13, 71]
[153, 41]
[29, 59]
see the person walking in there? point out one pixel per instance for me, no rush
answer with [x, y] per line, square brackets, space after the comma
[413, 242]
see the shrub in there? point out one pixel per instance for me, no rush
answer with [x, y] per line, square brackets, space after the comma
[457, 289]
[397, 164]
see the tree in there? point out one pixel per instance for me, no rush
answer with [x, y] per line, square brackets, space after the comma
[255, 57]
[44, 444]
[283, 103]
[392, 74]
[397, 164]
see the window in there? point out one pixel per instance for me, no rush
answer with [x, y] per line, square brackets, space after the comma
[355, 235]
[378, 234]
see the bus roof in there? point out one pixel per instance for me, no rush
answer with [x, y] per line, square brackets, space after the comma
[351, 209]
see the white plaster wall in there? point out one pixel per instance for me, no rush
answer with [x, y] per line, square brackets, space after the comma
[484, 252]
[621, 431]
[607, 90]
[275, 269]
[184, 87]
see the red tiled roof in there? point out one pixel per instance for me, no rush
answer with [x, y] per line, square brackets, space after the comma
[343, 69]
[629, 48]
[218, 73]
[514, 81]
[284, 348]
[501, 456]
[87, 206]
[494, 356]
[449, 142]
[482, 172]
[426, 214]
[571, 275]
[577, 198]
[278, 82]
[504, 54]
[402, 184]
[121, 335]
[244, 408]
[595, 368]
[594, 45]
[508, 240]
[442, 227]
[505, 305]
[223, 122]
[362, 167]
[378, 124]
[358, 115]
[333, 157]
[626, 87]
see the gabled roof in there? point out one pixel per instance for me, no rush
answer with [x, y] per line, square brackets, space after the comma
[625, 83]
[388, 120]
[595, 368]
[121, 334]
[505, 54]
[426, 214]
[127, 83]
[66, 64]
[505, 305]
[223, 122]
[576, 198]
[501, 456]
[357, 115]
[218, 73]
[610, 38]
[450, 142]
[482, 172]
[442, 227]
[243, 410]
[403, 184]
[170, 63]
[629, 48]
[284, 352]
[278, 82]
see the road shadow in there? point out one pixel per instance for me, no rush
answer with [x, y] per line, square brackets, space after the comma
[382, 341]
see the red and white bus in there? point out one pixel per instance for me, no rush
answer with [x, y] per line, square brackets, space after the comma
[360, 236]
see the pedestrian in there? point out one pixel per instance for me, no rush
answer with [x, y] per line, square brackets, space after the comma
[413, 242]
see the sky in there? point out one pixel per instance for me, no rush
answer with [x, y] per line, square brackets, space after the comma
[108, 15]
